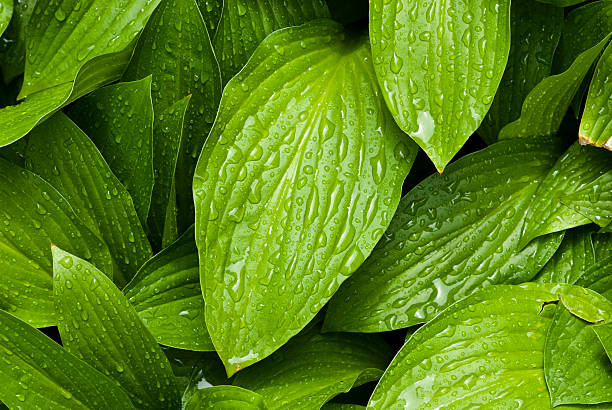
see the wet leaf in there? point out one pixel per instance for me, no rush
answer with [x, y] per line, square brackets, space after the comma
[6, 12]
[593, 200]
[604, 333]
[226, 398]
[98, 325]
[211, 12]
[12, 55]
[262, 209]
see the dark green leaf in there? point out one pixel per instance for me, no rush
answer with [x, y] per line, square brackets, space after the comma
[312, 368]
[562, 3]
[535, 29]
[12, 54]
[34, 215]
[451, 235]
[64, 156]
[98, 325]
[36, 372]
[439, 66]
[342, 406]
[195, 370]
[295, 185]
[225, 398]
[244, 24]
[119, 120]
[211, 12]
[167, 296]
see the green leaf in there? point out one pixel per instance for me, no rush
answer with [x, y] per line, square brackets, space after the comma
[596, 123]
[167, 296]
[64, 35]
[604, 333]
[195, 370]
[19, 119]
[34, 215]
[312, 368]
[546, 105]
[72, 164]
[98, 325]
[6, 12]
[244, 24]
[12, 56]
[574, 256]
[342, 406]
[452, 234]
[38, 373]
[536, 29]
[293, 188]
[562, 3]
[163, 222]
[211, 12]
[119, 120]
[176, 49]
[440, 79]
[225, 398]
[574, 169]
[475, 353]
[593, 200]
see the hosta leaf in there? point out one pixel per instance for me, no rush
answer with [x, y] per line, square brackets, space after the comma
[593, 200]
[596, 123]
[475, 353]
[211, 12]
[439, 65]
[195, 370]
[12, 54]
[6, 12]
[64, 35]
[38, 373]
[577, 167]
[536, 29]
[546, 105]
[604, 333]
[574, 256]
[313, 368]
[175, 48]
[119, 120]
[98, 325]
[576, 365]
[451, 235]
[167, 296]
[244, 24]
[296, 183]
[225, 398]
[64, 156]
[33, 216]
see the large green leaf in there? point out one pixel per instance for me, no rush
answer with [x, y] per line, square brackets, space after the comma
[577, 368]
[36, 372]
[475, 353]
[211, 12]
[62, 36]
[604, 333]
[34, 215]
[225, 398]
[6, 12]
[176, 49]
[313, 368]
[99, 326]
[167, 296]
[451, 235]
[244, 24]
[593, 200]
[12, 53]
[546, 105]
[536, 29]
[119, 120]
[64, 156]
[573, 170]
[439, 66]
[596, 123]
[295, 185]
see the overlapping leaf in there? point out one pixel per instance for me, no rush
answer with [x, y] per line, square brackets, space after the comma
[211, 12]
[12, 55]
[34, 215]
[98, 325]
[226, 398]
[73, 165]
[119, 120]
[38, 373]
[596, 123]
[244, 24]
[293, 186]
[6, 12]
[535, 30]
[439, 65]
[604, 333]
[451, 235]
[593, 200]
[167, 296]
[312, 368]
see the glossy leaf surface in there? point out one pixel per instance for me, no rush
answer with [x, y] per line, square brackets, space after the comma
[314, 367]
[33, 216]
[451, 235]
[596, 123]
[604, 333]
[167, 296]
[98, 325]
[294, 187]
[6, 12]
[211, 12]
[439, 66]
[225, 398]
[119, 120]
[73, 165]
[38, 373]
[593, 200]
